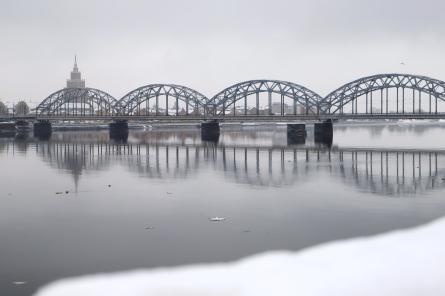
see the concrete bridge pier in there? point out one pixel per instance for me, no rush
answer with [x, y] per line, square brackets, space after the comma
[119, 130]
[296, 134]
[323, 132]
[210, 130]
[43, 129]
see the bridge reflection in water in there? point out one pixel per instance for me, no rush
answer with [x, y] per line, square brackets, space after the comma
[380, 171]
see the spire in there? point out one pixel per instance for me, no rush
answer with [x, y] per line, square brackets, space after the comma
[75, 63]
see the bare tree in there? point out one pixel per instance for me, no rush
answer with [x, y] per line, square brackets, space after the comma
[21, 108]
[3, 109]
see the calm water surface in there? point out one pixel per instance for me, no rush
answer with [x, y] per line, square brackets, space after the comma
[81, 203]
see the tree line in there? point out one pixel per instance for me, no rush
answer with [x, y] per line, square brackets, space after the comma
[21, 108]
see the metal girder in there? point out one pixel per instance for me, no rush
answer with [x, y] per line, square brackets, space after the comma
[305, 97]
[334, 101]
[135, 98]
[84, 101]
[90, 101]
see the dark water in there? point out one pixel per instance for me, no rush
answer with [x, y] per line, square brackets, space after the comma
[147, 203]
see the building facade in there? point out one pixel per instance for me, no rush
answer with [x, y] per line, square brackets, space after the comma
[76, 80]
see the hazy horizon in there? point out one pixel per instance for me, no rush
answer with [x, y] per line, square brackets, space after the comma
[210, 45]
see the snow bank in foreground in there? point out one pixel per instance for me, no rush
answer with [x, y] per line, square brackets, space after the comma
[410, 262]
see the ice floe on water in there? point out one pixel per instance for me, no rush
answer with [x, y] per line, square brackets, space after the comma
[408, 262]
[18, 283]
[217, 219]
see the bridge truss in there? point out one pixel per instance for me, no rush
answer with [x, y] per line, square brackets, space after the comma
[383, 96]
[77, 102]
[176, 100]
[386, 94]
[303, 100]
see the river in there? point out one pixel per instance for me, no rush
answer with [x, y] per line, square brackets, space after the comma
[81, 203]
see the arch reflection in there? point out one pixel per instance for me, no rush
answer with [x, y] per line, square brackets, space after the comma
[387, 172]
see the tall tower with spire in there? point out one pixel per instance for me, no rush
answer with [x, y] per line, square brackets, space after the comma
[75, 81]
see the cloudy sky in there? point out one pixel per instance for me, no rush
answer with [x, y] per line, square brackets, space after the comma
[209, 45]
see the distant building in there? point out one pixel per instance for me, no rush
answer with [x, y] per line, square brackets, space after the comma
[276, 108]
[75, 81]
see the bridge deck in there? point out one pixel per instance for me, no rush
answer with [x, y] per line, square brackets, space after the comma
[227, 118]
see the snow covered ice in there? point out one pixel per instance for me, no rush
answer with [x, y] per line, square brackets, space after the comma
[406, 262]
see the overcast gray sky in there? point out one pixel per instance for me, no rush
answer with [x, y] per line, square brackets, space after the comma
[209, 45]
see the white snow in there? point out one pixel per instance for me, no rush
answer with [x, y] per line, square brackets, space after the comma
[409, 262]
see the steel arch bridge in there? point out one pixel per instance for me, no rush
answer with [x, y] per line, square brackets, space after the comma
[382, 96]
[137, 102]
[362, 90]
[77, 102]
[226, 99]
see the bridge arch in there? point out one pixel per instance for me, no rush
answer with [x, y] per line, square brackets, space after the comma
[301, 98]
[137, 102]
[77, 102]
[356, 97]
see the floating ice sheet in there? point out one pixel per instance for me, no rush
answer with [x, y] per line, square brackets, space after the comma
[409, 262]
